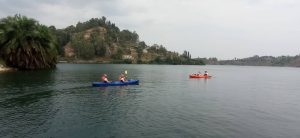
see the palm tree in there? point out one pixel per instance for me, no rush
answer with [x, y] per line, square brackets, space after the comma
[26, 44]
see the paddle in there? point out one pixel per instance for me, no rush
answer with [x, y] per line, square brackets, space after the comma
[125, 72]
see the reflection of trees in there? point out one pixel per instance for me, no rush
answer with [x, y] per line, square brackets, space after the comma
[25, 102]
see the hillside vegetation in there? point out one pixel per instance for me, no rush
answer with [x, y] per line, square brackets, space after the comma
[101, 41]
[256, 60]
[26, 44]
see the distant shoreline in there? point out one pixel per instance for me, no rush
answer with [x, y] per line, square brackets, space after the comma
[114, 62]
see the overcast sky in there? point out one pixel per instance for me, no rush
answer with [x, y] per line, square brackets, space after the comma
[207, 28]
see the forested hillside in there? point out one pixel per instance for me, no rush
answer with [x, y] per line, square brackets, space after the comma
[101, 41]
[256, 60]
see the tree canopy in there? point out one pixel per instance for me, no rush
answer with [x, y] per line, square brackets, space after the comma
[26, 44]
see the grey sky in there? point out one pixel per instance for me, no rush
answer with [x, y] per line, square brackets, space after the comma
[207, 28]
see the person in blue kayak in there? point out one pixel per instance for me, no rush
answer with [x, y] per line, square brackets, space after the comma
[104, 78]
[122, 77]
[205, 73]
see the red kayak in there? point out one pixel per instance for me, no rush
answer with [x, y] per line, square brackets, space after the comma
[199, 76]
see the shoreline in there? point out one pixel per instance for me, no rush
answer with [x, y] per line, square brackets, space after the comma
[81, 61]
[4, 69]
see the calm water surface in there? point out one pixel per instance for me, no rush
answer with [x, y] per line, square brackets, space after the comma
[238, 102]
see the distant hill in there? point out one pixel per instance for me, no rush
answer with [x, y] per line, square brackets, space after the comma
[101, 41]
[293, 61]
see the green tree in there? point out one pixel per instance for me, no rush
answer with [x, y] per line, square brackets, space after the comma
[139, 49]
[118, 55]
[84, 48]
[63, 38]
[26, 44]
[99, 44]
[126, 37]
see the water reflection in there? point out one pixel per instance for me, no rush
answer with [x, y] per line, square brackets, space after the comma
[112, 91]
[26, 102]
[62, 103]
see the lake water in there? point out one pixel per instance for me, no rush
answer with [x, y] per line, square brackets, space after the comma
[238, 102]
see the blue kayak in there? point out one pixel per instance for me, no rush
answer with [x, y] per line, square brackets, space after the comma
[115, 83]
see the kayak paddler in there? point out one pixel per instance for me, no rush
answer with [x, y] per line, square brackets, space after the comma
[205, 73]
[199, 73]
[122, 77]
[104, 78]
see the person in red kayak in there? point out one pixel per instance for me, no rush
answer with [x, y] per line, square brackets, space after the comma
[122, 77]
[199, 73]
[205, 73]
[104, 78]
